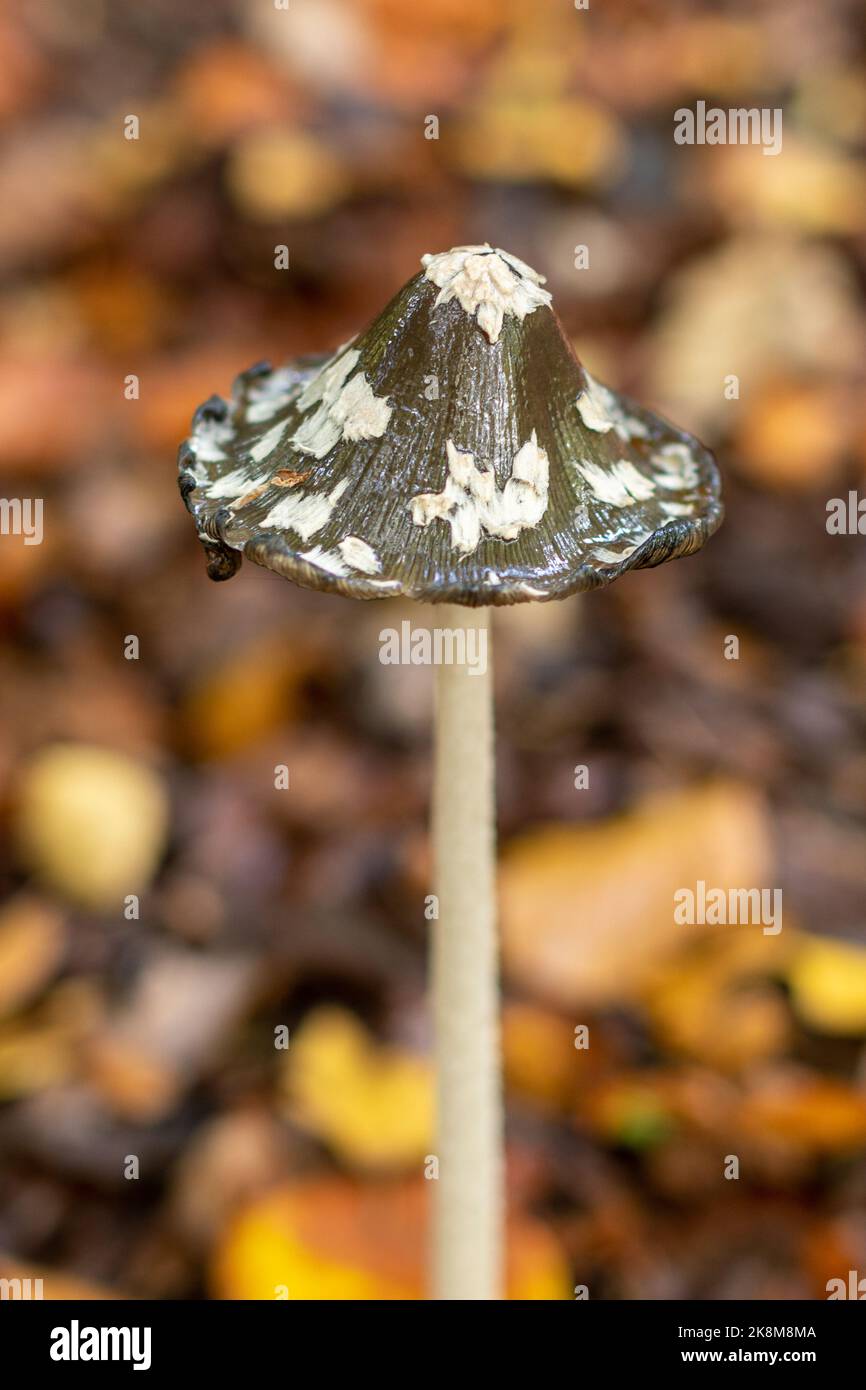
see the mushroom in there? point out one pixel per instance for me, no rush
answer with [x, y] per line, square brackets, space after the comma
[455, 453]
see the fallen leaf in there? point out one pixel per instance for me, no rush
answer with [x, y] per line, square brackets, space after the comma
[229, 1161]
[44, 1049]
[224, 89]
[33, 395]
[758, 307]
[794, 434]
[284, 172]
[720, 1004]
[32, 1060]
[827, 979]
[815, 1114]
[91, 822]
[373, 1104]
[813, 187]
[333, 1238]
[539, 1055]
[136, 1085]
[253, 689]
[571, 141]
[32, 943]
[632, 1113]
[167, 1031]
[588, 911]
[177, 382]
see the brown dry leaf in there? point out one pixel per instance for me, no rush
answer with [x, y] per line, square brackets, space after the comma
[254, 690]
[42, 319]
[129, 518]
[32, 944]
[534, 62]
[136, 1085]
[282, 172]
[89, 700]
[794, 435]
[640, 67]
[406, 70]
[832, 1245]
[810, 1113]
[524, 122]
[233, 706]
[332, 1238]
[372, 1104]
[45, 1050]
[229, 1161]
[91, 822]
[539, 1055]
[25, 567]
[644, 1109]
[588, 911]
[225, 89]
[125, 310]
[168, 1031]
[827, 980]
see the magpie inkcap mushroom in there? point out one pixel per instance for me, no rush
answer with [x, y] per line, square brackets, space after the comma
[456, 451]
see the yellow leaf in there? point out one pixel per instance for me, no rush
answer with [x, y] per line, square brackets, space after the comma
[828, 986]
[283, 172]
[334, 1238]
[373, 1104]
[567, 139]
[91, 822]
[31, 1062]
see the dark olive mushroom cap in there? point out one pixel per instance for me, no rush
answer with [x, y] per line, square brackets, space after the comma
[456, 451]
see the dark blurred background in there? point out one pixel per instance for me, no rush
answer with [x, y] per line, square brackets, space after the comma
[167, 911]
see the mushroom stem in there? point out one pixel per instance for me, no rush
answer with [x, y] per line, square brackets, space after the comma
[468, 1201]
